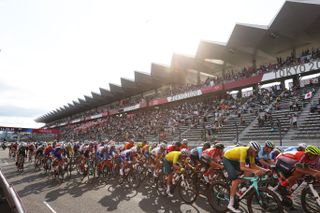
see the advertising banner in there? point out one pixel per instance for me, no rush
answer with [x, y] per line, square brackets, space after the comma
[158, 101]
[292, 70]
[130, 108]
[244, 82]
[46, 131]
[96, 116]
[209, 89]
[185, 95]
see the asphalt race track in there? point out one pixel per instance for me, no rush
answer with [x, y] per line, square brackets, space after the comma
[41, 194]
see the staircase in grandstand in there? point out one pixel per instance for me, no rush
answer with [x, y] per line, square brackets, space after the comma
[309, 123]
[229, 131]
[270, 129]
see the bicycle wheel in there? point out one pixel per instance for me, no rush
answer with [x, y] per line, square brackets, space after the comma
[188, 190]
[161, 185]
[133, 179]
[218, 196]
[308, 201]
[268, 201]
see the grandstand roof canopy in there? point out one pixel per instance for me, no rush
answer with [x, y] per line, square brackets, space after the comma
[296, 24]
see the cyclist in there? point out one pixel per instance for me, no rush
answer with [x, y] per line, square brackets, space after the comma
[31, 149]
[275, 152]
[234, 161]
[263, 158]
[129, 145]
[21, 153]
[57, 153]
[156, 157]
[40, 150]
[300, 147]
[196, 153]
[292, 165]
[127, 157]
[171, 162]
[48, 149]
[212, 157]
[174, 147]
[184, 144]
[102, 156]
[69, 150]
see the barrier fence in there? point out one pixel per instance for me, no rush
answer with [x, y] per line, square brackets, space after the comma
[11, 195]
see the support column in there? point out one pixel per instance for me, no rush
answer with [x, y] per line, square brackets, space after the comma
[282, 84]
[239, 94]
[224, 70]
[198, 77]
[254, 63]
[296, 82]
[255, 89]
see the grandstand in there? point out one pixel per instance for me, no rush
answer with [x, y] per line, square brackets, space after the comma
[192, 98]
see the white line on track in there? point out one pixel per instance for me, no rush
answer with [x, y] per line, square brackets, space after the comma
[51, 209]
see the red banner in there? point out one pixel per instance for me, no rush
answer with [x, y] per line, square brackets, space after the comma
[208, 89]
[105, 113]
[158, 101]
[46, 131]
[113, 111]
[244, 82]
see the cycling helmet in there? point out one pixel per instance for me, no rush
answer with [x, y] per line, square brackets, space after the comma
[219, 146]
[254, 145]
[312, 150]
[185, 152]
[177, 144]
[302, 145]
[206, 144]
[185, 141]
[278, 149]
[269, 144]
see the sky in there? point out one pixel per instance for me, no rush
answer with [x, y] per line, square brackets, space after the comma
[54, 52]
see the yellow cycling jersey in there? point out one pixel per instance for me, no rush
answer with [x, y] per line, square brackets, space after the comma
[238, 154]
[173, 156]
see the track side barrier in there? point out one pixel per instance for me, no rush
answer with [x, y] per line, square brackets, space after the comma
[11, 195]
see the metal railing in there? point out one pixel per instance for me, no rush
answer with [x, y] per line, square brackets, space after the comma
[11, 195]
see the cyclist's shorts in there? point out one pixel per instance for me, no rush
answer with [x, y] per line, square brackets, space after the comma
[126, 157]
[232, 168]
[206, 160]
[146, 154]
[167, 166]
[285, 167]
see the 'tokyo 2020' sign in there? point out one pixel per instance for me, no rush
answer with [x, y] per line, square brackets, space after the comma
[292, 70]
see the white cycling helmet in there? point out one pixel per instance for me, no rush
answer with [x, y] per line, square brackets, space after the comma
[185, 141]
[278, 149]
[269, 144]
[185, 152]
[254, 145]
[302, 145]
